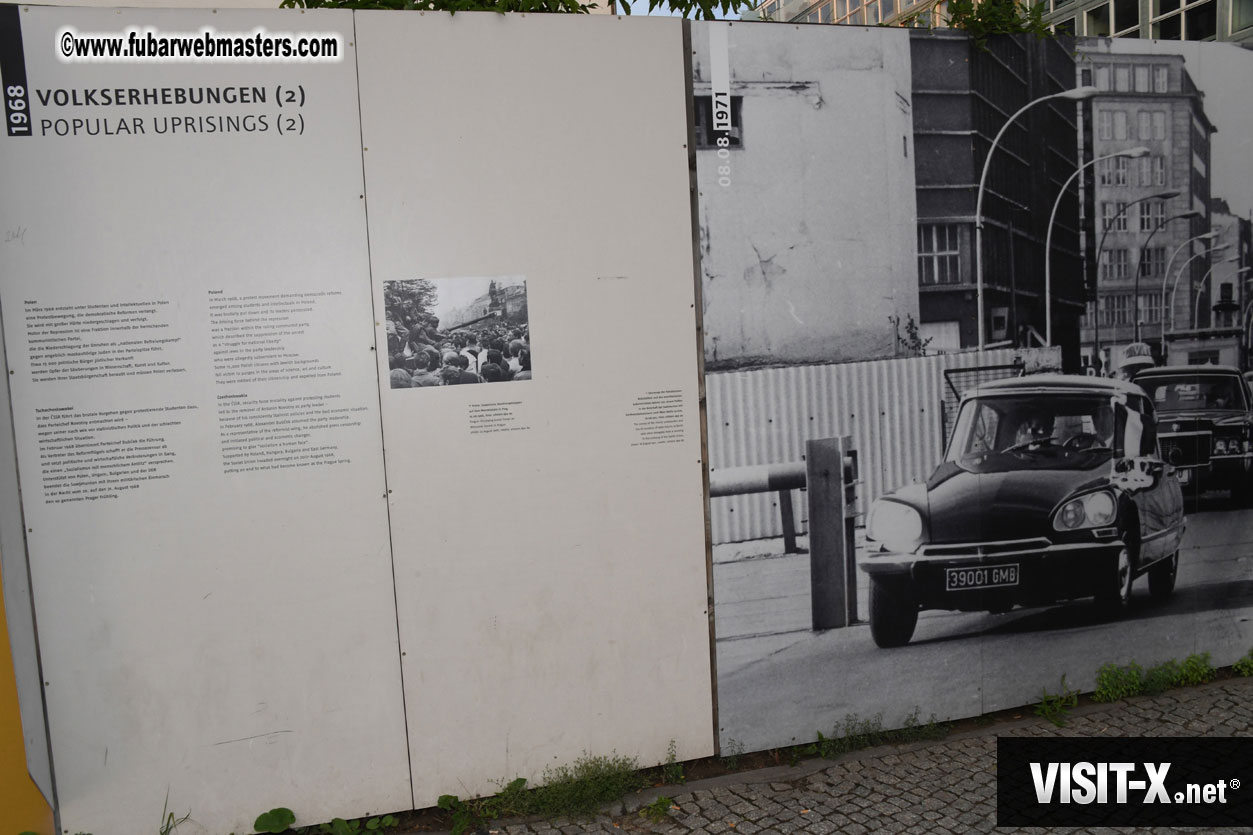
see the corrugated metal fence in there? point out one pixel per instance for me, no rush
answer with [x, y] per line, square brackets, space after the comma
[894, 409]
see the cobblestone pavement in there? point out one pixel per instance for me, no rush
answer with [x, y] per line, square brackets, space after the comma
[945, 787]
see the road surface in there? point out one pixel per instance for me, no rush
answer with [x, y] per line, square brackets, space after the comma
[780, 683]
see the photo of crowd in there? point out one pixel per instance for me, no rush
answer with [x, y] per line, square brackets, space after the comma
[456, 331]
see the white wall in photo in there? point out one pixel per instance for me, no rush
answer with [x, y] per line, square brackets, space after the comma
[807, 223]
[187, 318]
[550, 559]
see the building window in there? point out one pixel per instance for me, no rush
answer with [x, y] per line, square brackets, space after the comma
[1150, 308]
[1127, 21]
[1241, 14]
[1160, 79]
[1105, 123]
[820, 13]
[939, 254]
[1120, 124]
[1112, 172]
[1159, 125]
[1122, 79]
[1115, 216]
[1155, 261]
[1142, 79]
[1151, 171]
[1151, 214]
[1114, 264]
[706, 136]
[1102, 78]
[1190, 21]
[769, 10]
[1116, 309]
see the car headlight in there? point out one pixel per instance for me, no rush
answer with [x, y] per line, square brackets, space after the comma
[1091, 511]
[1220, 446]
[896, 525]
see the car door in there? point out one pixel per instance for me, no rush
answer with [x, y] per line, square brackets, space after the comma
[1160, 500]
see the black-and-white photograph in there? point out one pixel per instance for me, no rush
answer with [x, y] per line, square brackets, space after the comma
[977, 342]
[455, 331]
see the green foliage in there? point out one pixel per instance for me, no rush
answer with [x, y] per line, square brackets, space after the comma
[911, 343]
[1114, 682]
[1244, 666]
[1160, 678]
[276, 820]
[698, 9]
[695, 9]
[731, 755]
[658, 810]
[856, 734]
[672, 769]
[982, 19]
[584, 786]
[1195, 669]
[1055, 706]
[168, 822]
[359, 826]
[578, 789]
[463, 816]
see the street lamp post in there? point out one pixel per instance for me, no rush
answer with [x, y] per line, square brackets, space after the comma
[1077, 94]
[1100, 248]
[1196, 315]
[1179, 273]
[1132, 153]
[1135, 293]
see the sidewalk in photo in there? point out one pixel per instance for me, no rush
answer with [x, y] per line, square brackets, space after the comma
[948, 786]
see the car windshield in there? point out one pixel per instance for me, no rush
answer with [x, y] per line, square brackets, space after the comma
[1194, 392]
[1034, 431]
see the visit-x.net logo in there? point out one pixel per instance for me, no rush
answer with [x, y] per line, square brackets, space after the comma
[1120, 781]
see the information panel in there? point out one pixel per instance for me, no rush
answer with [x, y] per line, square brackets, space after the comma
[187, 317]
[531, 250]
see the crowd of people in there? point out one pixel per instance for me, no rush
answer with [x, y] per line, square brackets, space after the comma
[420, 354]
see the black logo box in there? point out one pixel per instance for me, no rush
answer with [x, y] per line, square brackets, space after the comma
[1197, 760]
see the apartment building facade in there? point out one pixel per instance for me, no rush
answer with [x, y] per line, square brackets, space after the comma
[1151, 211]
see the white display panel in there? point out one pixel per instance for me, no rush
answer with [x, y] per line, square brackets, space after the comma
[187, 315]
[551, 575]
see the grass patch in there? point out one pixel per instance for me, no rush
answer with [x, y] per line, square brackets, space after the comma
[856, 733]
[658, 810]
[1160, 678]
[1114, 682]
[1244, 667]
[575, 790]
[1195, 669]
[1055, 706]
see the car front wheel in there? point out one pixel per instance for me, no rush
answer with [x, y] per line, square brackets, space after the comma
[1162, 577]
[893, 611]
[1114, 596]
